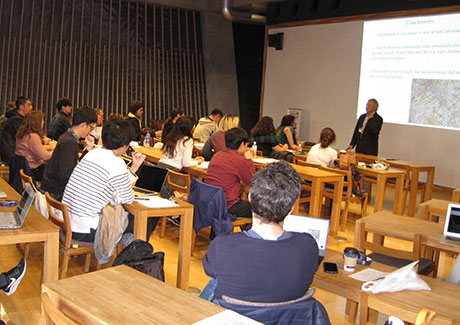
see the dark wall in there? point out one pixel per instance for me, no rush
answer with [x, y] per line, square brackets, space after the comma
[249, 53]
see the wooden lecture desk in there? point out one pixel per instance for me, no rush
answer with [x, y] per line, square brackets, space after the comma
[433, 210]
[431, 232]
[443, 296]
[122, 295]
[185, 210]
[415, 171]
[36, 228]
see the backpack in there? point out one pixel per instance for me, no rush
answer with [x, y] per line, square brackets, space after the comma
[356, 182]
[139, 255]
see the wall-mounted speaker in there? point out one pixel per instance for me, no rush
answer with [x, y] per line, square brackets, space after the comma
[276, 41]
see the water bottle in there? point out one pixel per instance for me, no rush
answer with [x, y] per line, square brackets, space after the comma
[147, 140]
[254, 148]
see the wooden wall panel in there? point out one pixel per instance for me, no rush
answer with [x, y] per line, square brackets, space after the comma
[103, 54]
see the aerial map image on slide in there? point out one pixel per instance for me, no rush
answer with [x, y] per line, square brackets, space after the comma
[435, 102]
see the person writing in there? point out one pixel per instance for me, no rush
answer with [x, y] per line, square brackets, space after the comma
[366, 135]
[322, 153]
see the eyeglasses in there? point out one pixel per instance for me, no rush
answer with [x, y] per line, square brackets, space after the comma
[92, 126]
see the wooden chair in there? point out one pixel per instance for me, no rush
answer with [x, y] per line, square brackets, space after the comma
[71, 247]
[393, 256]
[52, 314]
[347, 194]
[180, 183]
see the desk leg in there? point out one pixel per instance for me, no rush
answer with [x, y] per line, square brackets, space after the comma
[315, 203]
[380, 193]
[336, 207]
[140, 226]
[413, 192]
[185, 247]
[429, 184]
[51, 258]
[398, 205]
[357, 240]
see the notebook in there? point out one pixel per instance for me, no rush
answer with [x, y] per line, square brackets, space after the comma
[151, 179]
[451, 234]
[318, 228]
[14, 220]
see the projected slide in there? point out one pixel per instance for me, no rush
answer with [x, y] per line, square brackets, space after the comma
[412, 67]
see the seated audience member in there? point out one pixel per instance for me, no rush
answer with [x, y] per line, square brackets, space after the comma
[216, 141]
[285, 134]
[100, 178]
[231, 167]
[207, 125]
[65, 155]
[265, 264]
[11, 127]
[178, 146]
[263, 133]
[30, 144]
[135, 111]
[168, 126]
[321, 153]
[97, 132]
[61, 121]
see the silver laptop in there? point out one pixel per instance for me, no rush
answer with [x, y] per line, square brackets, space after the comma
[451, 234]
[14, 220]
[317, 227]
[151, 179]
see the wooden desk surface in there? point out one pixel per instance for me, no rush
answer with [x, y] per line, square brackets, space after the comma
[36, 228]
[122, 295]
[443, 296]
[431, 232]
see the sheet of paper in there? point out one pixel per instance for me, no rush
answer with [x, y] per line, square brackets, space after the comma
[156, 202]
[227, 317]
[204, 165]
[264, 160]
[199, 145]
[367, 275]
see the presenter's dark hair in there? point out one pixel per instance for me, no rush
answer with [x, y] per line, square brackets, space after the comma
[235, 137]
[84, 114]
[274, 191]
[134, 106]
[21, 101]
[63, 102]
[117, 133]
[376, 103]
[326, 137]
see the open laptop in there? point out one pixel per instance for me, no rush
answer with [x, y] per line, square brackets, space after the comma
[151, 179]
[451, 234]
[318, 228]
[14, 220]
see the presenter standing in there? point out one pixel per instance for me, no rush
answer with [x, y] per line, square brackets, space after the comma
[367, 130]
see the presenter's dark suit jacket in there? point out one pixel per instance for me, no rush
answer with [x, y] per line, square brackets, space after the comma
[368, 141]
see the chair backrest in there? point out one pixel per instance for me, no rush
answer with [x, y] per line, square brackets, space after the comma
[456, 195]
[379, 247]
[305, 163]
[63, 223]
[172, 179]
[52, 314]
[25, 178]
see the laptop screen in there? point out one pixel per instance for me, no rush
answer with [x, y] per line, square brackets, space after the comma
[26, 201]
[318, 228]
[151, 177]
[452, 225]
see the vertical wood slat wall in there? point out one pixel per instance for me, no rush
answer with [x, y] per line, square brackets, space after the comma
[102, 53]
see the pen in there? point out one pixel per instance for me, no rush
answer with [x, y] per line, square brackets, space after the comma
[141, 198]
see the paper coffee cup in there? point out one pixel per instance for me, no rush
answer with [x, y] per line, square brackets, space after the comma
[349, 263]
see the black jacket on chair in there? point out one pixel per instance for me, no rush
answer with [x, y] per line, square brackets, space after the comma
[368, 141]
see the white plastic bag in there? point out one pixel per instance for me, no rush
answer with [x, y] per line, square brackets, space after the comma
[405, 278]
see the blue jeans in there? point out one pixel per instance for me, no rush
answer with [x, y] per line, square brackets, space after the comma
[208, 291]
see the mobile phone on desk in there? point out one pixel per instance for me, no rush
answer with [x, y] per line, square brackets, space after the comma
[330, 268]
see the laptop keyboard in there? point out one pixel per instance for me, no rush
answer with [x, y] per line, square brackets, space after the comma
[453, 238]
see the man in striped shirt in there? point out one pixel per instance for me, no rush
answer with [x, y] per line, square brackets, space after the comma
[101, 178]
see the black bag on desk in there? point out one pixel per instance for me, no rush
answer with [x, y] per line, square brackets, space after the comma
[139, 255]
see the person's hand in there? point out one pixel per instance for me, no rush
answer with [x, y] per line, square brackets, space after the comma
[285, 147]
[249, 154]
[46, 140]
[199, 159]
[349, 147]
[138, 159]
[89, 142]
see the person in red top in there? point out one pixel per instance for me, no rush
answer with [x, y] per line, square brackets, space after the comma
[230, 167]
